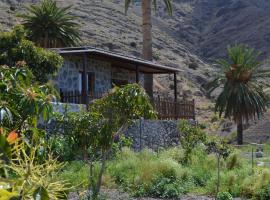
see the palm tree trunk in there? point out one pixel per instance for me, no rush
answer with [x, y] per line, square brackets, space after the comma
[240, 133]
[46, 38]
[147, 42]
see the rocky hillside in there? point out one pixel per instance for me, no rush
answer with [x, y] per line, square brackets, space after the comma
[197, 33]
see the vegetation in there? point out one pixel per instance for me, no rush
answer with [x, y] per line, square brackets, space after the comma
[242, 97]
[50, 26]
[191, 136]
[16, 50]
[93, 133]
[27, 169]
[162, 174]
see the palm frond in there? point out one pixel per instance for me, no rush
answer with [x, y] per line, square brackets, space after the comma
[242, 98]
[50, 25]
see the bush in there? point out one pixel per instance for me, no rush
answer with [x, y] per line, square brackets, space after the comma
[15, 47]
[224, 196]
[264, 193]
[252, 186]
[146, 174]
[191, 136]
[165, 188]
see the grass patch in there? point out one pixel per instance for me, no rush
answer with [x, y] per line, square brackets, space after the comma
[162, 175]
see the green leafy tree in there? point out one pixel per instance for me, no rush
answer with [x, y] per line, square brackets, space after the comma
[111, 116]
[22, 102]
[190, 137]
[147, 52]
[15, 48]
[242, 82]
[50, 26]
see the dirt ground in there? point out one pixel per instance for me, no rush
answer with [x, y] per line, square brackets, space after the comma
[116, 195]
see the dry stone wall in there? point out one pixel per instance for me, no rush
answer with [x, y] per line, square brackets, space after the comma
[154, 134]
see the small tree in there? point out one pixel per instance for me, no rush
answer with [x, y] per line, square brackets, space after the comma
[16, 49]
[222, 150]
[241, 78]
[190, 137]
[114, 113]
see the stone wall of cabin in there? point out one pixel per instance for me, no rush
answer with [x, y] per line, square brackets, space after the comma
[68, 76]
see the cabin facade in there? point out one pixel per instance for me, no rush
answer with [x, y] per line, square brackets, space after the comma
[89, 73]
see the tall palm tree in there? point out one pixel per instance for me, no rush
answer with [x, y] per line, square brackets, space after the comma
[242, 81]
[146, 7]
[51, 26]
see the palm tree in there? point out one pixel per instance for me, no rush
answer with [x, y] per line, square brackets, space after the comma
[242, 81]
[146, 7]
[51, 26]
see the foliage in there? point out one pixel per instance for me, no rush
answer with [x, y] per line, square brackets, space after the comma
[242, 96]
[96, 131]
[166, 188]
[242, 79]
[29, 178]
[16, 50]
[190, 137]
[51, 26]
[149, 173]
[76, 132]
[264, 192]
[224, 196]
[22, 101]
[219, 146]
[257, 185]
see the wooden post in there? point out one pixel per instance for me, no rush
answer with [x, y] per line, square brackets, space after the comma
[175, 86]
[175, 95]
[137, 74]
[84, 82]
[194, 114]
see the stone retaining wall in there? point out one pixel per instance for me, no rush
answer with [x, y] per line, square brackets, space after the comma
[154, 134]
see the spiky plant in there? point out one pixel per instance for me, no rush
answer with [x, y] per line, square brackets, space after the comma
[50, 25]
[242, 97]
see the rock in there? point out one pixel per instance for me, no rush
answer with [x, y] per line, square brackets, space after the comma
[193, 65]
[259, 154]
[198, 93]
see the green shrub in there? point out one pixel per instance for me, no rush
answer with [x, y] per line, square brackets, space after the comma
[191, 136]
[14, 47]
[224, 196]
[234, 161]
[165, 188]
[264, 193]
[253, 185]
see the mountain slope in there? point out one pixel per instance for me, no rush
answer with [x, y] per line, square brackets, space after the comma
[196, 34]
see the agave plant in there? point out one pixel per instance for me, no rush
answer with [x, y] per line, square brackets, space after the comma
[50, 25]
[242, 79]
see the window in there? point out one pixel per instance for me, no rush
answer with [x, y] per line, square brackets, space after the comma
[90, 82]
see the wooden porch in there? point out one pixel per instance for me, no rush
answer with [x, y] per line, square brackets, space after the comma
[167, 108]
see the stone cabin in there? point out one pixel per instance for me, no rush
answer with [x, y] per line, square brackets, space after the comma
[88, 73]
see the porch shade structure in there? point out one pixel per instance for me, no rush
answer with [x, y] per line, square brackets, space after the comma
[118, 61]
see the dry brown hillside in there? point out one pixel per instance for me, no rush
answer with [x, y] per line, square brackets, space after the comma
[198, 31]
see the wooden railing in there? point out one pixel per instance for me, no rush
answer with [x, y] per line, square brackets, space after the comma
[166, 108]
[76, 97]
[171, 109]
